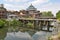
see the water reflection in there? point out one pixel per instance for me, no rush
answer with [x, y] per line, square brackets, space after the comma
[25, 36]
[41, 35]
[18, 36]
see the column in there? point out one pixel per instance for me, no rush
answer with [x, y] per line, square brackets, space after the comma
[33, 24]
[48, 26]
[23, 23]
[26, 22]
[36, 24]
[44, 23]
[39, 25]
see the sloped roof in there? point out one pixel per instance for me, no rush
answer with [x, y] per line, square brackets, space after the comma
[31, 7]
[1, 8]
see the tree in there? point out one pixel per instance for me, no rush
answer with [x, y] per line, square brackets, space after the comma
[15, 24]
[3, 28]
[2, 23]
[47, 14]
[30, 25]
[58, 15]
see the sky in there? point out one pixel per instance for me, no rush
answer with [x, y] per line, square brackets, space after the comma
[41, 5]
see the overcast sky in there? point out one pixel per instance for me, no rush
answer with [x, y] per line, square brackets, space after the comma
[42, 5]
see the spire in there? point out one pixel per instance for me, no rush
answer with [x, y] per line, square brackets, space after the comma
[31, 7]
[31, 4]
[1, 5]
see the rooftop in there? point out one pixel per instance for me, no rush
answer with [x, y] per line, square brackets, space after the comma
[31, 7]
[2, 7]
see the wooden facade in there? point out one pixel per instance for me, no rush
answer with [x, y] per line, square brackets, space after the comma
[3, 12]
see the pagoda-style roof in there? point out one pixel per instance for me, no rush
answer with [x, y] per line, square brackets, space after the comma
[31, 7]
[2, 7]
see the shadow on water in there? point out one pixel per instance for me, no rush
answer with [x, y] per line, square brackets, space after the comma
[25, 35]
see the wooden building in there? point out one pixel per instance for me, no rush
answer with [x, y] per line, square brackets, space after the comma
[3, 12]
[31, 11]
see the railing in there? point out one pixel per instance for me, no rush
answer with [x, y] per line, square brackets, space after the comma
[37, 19]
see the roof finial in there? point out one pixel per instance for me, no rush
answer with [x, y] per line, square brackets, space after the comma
[31, 7]
[31, 4]
[1, 5]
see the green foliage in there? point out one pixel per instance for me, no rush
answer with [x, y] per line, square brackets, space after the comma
[30, 25]
[45, 14]
[58, 15]
[3, 28]
[49, 13]
[2, 23]
[15, 24]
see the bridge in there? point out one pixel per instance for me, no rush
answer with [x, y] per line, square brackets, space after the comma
[39, 23]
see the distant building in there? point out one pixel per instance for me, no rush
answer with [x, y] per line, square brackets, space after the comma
[40, 22]
[31, 14]
[12, 16]
[3, 12]
[31, 11]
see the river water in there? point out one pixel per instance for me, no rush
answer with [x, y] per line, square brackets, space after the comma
[41, 35]
[18, 36]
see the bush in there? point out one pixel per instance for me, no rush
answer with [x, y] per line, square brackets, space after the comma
[2, 23]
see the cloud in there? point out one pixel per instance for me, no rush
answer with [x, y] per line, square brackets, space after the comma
[16, 0]
[13, 7]
[23, 4]
[36, 2]
[54, 7]
[8, 0]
